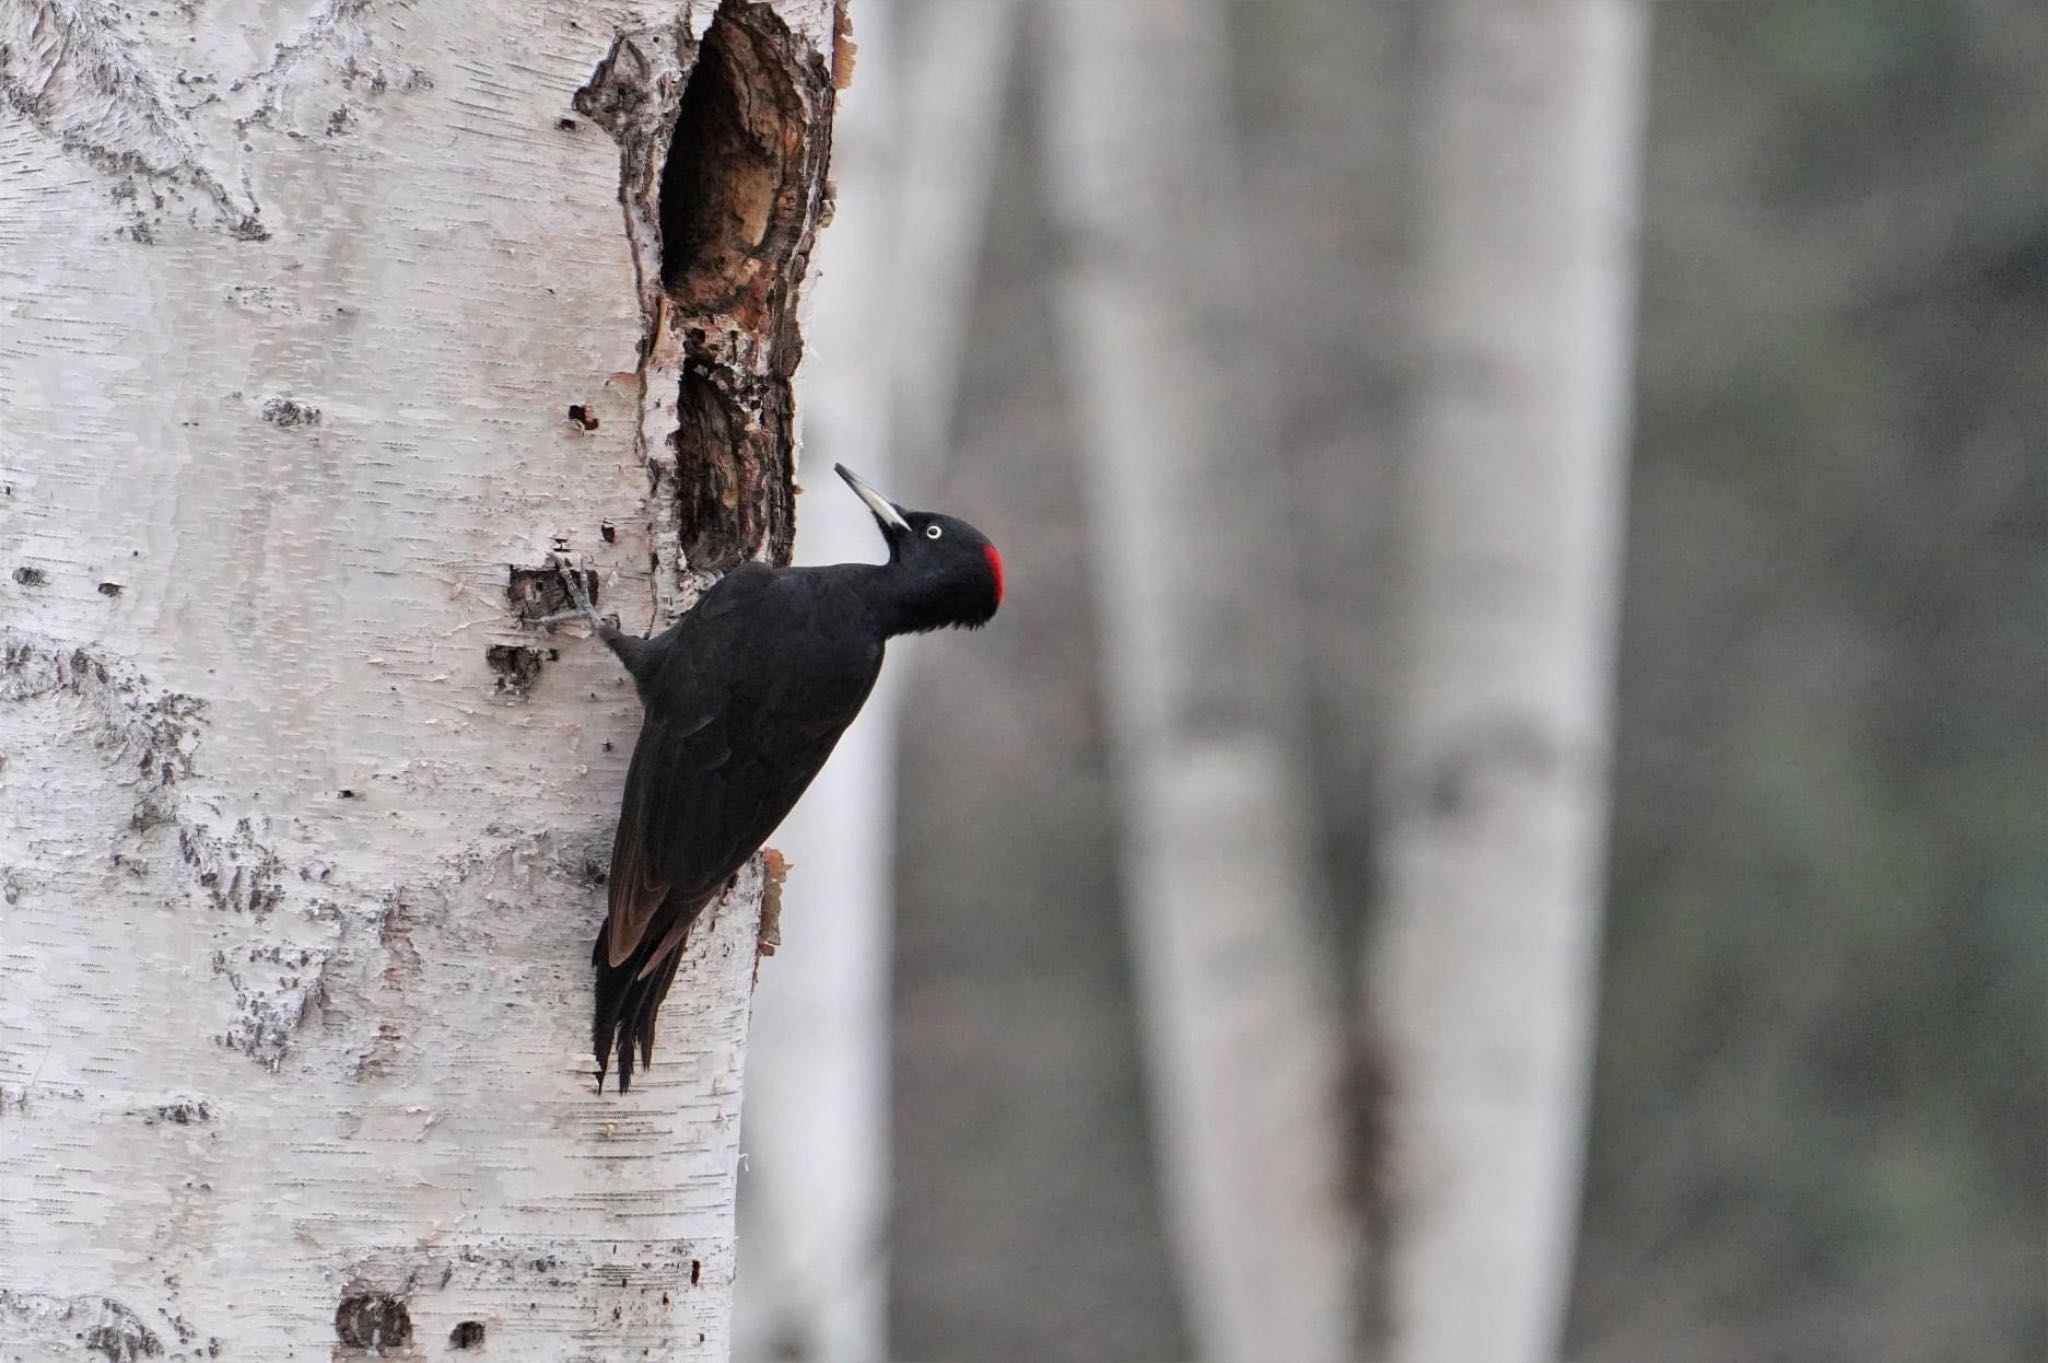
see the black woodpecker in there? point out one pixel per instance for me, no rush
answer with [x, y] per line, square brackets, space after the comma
[743, 700]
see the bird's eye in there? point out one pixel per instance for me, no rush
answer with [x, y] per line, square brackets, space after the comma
[932, 532]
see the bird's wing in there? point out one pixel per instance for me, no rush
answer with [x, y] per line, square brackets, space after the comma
[671, 778]
[730, 740]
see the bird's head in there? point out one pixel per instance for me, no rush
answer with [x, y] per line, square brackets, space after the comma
[949, 573]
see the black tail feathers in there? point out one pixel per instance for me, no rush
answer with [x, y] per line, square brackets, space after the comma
[627, 1005]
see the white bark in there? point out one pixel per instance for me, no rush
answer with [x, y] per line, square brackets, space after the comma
[1238, 1012]
[297, 886]
[1482, 977]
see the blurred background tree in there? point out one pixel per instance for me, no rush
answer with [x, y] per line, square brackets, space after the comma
[1819, 1121]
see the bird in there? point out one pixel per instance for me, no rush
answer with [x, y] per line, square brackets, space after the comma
[742, 700]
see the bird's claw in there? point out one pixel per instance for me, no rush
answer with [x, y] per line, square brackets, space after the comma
[572, 578]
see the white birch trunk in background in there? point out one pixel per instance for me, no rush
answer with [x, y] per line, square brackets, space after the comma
[911, 157]
[957, 57]
[1483, 975]
[815, 1197]
[302, 832]
[1238, 1011]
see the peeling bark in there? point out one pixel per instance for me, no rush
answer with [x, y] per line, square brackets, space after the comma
[303, 810]
[78, 1326]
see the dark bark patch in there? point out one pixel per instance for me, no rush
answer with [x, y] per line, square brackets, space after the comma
[124, 1342]
[182, 1112]
[517, 667]
[288, 412]
[373, 1320]
[728, 474]
[467, 1334]
[239, 873]
[30, 577]
[275, 988]
[535, 594]
[616, 95]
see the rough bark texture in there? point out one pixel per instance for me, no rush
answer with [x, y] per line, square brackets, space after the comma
[322, 332]
[1238, 1008]
[1483, 972]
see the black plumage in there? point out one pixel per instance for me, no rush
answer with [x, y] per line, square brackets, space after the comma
[744, 699]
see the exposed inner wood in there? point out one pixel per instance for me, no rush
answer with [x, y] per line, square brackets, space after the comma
[725, 188]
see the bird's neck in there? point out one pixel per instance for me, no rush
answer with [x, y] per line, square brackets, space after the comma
[901, 604]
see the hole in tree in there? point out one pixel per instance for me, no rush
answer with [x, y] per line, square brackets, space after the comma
[517, 668]
[732, 186]
[372, 1320]
[535, 594]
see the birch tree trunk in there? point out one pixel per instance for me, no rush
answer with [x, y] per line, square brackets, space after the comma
[1483, 973]
[323, 328]
[957, 58]
[1238, 1014]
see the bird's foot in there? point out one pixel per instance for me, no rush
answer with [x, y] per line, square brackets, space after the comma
[572, 578]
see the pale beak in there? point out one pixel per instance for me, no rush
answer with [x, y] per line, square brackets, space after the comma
[886, 511]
